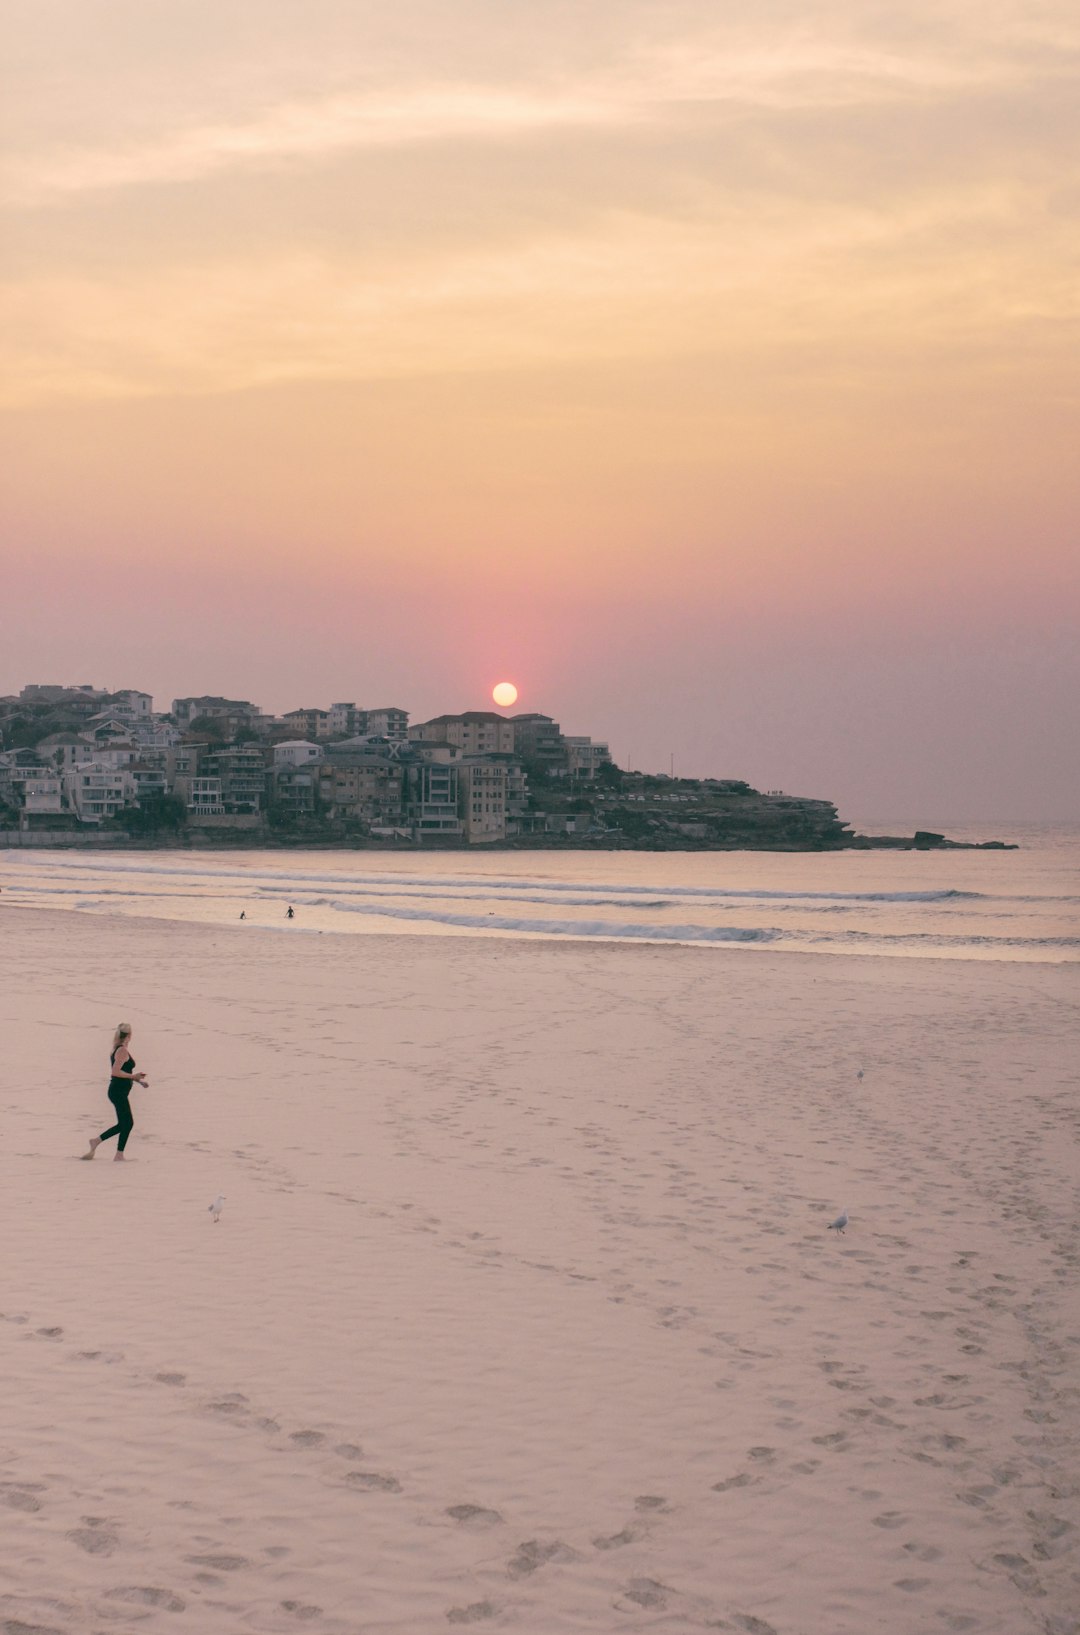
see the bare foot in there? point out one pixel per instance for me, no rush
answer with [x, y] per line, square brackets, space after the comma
[95, 1143]
[118, 1158]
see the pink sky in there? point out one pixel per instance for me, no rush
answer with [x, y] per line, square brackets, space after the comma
[712, 375]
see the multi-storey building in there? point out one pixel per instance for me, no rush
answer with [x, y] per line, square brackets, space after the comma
[364, 788]
[231, 712]
[95, 793]
[432, 800]
[387, 722]
[295, 752]
[539, 742]
[308, 723]
[296, 788]
[346, 721]
[242, 775]
[483, 797]
[583, 757]
[476, 732]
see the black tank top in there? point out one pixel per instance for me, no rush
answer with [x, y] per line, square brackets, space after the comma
[127, 1067]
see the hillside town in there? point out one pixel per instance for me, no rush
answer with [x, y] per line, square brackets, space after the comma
[80, 764]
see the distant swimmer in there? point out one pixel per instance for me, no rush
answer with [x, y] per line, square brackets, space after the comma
[289, 914]
[123, 1077]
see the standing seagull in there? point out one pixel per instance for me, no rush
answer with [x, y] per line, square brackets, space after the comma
[836, 1226]
[219, 1204]
[858, 1075]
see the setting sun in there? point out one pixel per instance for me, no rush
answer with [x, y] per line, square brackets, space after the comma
[504, 693]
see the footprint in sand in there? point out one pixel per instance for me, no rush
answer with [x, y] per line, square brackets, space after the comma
[171, 1379]
[233, 1405]
[616, 1540]
[304, 1611]
[650, 1501]
[474, 1613]
[147, 1596]
[370, 1481]
[644, 1592]
[95, 1538]
[533, 1554]
[474, 1515]
[741, 1480]
[20, 1495]
[220, 1563]
[307, 1439]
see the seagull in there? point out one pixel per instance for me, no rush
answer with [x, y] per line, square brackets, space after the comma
[860, 1074]
[219, 1204]
[836, 1226]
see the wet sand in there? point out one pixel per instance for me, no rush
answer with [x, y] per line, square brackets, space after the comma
[522, 1311]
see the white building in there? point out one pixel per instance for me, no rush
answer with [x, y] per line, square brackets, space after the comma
[95, 793]
[583, 756]
[295, 752]
[43, 795]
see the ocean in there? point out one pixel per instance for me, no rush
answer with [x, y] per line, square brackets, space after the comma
[1019, 905]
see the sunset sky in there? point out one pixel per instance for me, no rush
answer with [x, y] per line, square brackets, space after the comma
[711, 371]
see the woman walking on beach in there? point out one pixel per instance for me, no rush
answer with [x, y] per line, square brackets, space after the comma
[123, 1077]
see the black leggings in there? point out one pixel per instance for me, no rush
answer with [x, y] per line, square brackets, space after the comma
[125, 1123]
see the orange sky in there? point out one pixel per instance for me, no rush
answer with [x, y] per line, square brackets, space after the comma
[709, 370]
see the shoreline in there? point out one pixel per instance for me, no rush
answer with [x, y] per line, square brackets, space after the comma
[758, 949]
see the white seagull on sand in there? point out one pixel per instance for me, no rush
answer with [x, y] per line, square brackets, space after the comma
[839, 1223]
[219, 1204]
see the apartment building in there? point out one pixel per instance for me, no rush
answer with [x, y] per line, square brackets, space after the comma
[483, 799]
[346, 721]
[538, 740]
[583, 757]
[295, 752]
[432, 800]
[387, 722]
[43, 795]
[295, 789]
[476, 732]
[231, 712]
[308, 723]
[241, 771]
[95, 793]
[365, 789]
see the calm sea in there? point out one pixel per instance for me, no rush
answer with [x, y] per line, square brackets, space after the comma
[1021, 905]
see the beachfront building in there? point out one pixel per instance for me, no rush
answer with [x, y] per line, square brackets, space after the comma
[483, 791]
[295, 790]
[242, 773]
[43, 797]
[95, 793]
[202, 797]
[432, 800]
[363, 787]
[476, 732]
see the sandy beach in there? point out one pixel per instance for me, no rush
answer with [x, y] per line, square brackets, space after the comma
[522, 1311]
